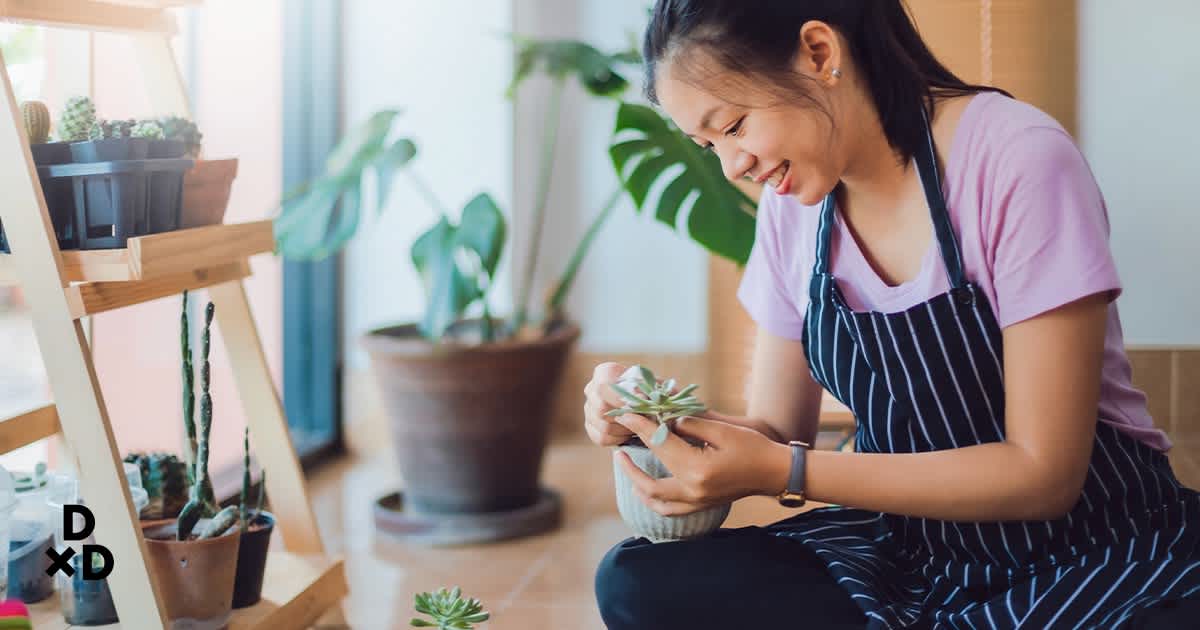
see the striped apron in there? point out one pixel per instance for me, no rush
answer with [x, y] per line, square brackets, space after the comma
[931, 378]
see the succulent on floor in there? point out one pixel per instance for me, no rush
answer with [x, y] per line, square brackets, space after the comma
[659, 401]
[449, 610]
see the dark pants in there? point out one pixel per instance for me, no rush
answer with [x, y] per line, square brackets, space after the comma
[747, 578]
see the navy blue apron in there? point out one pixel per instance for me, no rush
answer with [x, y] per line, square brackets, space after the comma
[931, 378]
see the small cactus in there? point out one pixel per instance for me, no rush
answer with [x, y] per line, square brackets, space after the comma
[78, 117]
[105, 129]
[221, 523]
[197, 504]
[184, 130]
[147, 129]
[165, 479]
[37, 121]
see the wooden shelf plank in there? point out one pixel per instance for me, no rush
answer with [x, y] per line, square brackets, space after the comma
[28, 428]
[89, 14]
[161, 255]
[90, 298]
[297, 590]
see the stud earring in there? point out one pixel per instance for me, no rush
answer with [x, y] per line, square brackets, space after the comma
[836, 73]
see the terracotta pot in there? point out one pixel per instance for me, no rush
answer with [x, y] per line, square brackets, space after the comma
[195, 577]
[206, 190]
[252, 560]
[469, 423]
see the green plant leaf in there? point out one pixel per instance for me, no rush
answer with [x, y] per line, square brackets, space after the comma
[395, 157]
[362, 144]
[647, 151]
[648, 376]
[597, 72]
[482, 230]
[448, 292]
[660, 434]
[303, 228]
[421, 623]
[625, 393]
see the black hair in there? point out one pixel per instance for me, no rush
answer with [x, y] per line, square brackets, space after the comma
[760, 39]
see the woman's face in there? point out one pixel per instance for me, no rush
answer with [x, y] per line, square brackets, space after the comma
[788, 145]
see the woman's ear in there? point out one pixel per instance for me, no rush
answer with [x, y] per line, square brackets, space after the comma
[819, 52]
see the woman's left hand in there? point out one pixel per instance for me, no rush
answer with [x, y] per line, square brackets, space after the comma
[736, 462]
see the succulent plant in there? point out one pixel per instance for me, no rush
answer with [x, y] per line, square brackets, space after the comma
[165, 479]
[37, 121]
[221, 523]
[197, 505]
[147, 129]
[448, 610]
[659, 401]
[182, 129]
[105, 129]
[78, 117]
[189, 408]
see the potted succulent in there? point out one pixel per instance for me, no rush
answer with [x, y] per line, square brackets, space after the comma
[207, 186]
[662, 402]
[190, 558]
[165, 479]
[256, 528]
[59, 194]
[461, 385]
[110, 141]
[448, 610]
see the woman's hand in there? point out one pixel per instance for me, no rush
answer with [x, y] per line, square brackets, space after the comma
[600, 399]
[735, 462]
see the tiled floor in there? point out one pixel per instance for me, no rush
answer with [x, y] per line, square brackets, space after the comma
[544, 582]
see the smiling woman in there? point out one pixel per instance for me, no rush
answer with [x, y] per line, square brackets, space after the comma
[934, 254]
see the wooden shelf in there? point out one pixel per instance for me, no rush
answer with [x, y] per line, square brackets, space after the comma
[162, 255]
[28, 428]
[297, 590]
[144, 17]
[90, 298]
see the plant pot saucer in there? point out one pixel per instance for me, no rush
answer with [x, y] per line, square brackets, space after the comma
[425, 528]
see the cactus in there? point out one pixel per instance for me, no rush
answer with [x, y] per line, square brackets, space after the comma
[105, 129]
[189, 388]
[166, 480]
[147, 129]
[197, 505]
[182, 129]
[37, 121]
[243, 515]
[221, 523]
[78, 117]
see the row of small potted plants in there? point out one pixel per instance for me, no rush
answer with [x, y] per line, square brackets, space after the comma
[106, 180]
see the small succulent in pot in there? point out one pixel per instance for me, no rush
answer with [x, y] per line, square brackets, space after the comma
[658, 401]
[78, 117]
[147, 129]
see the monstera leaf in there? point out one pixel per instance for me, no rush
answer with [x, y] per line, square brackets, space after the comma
[318, 219]
[648, 153]
[559, 59]
[457, 262]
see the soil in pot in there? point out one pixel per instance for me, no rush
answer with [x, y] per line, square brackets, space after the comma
[195, 577]
[85, 602]
[252, 561]
[646, 522]
[469, 422]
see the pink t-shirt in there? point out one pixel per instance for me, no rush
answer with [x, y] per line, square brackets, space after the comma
[1030, 221]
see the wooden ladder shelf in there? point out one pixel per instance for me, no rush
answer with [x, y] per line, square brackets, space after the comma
[302, 583]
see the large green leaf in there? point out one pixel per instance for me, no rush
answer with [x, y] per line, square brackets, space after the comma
[647, 151]
[318, 218]
[597, 71]
[448, 291]
[482, 230]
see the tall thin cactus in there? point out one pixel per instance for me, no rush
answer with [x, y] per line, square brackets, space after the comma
[189, 390]
[243, 514]
[197, 505]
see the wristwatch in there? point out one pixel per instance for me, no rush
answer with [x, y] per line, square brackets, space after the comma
[793, 495]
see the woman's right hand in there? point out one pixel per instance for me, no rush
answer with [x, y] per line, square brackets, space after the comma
[600, 399]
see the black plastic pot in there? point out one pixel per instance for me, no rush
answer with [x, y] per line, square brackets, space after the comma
[166, 149]
[85, 602]
[27, 578]
[60, 198]
[110, 149]
[118, 200]
[252, 561]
